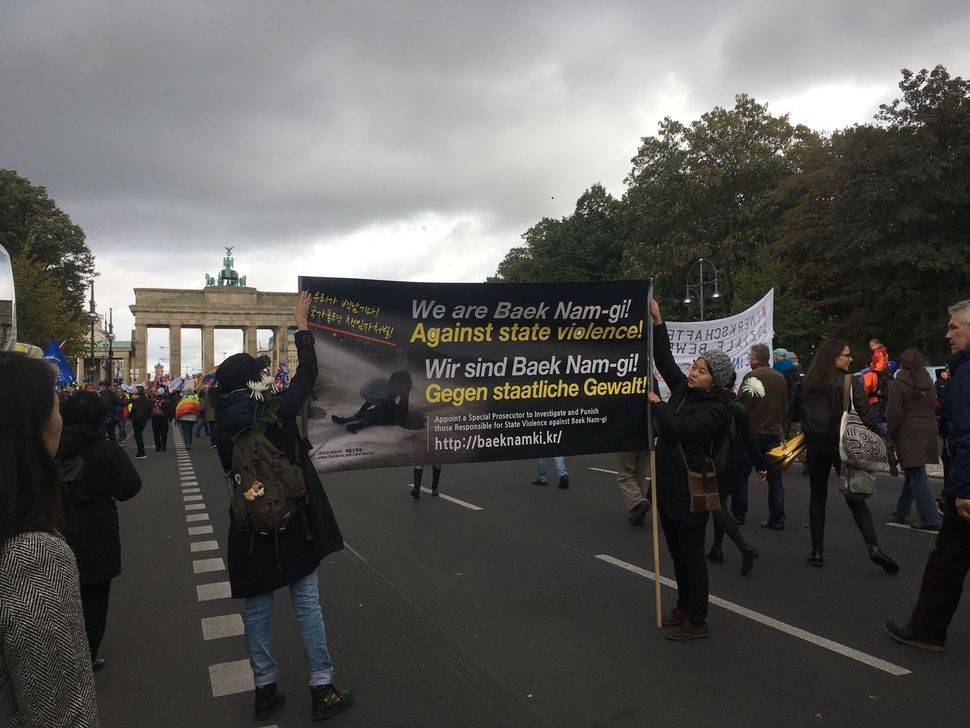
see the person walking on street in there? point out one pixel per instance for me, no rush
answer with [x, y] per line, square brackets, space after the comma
[767, 416]
[949, 561]
[819, 409]
[187, 412]
[542, 475]
[911, 420]
[744, 451]
[139, 413]
[419, 474]
[45, 661]
[160, 416]
[688, 424]
[96, 474]
[632, 475]
[112, 407]
[259, 564]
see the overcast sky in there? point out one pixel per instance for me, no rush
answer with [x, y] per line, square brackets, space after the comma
[401, 140]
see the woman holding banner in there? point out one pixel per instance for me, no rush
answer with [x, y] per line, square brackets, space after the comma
[688, 424]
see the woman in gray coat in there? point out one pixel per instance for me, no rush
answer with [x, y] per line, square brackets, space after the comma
[911, 421]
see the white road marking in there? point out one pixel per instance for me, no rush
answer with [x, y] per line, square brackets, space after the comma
[463, 504]
[195, 506]
[190, 517]
[190, 490]
[199, 530]
[226, 625]
[771, 622]
[203, 566]
[604, 470]
[217, 590]
[231, 678]
[908, 528]
[196, 546]
[189, 481]
[190, 498]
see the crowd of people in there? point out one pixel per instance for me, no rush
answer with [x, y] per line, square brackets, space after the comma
[62, 473]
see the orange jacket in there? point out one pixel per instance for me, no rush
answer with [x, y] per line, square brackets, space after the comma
[870, 382]
[880, 359]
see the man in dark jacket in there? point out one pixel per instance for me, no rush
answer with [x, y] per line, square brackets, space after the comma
[767, 416]
[139, 415]
[949, 561]
[96, 473]
[259, 564]
[111, 406]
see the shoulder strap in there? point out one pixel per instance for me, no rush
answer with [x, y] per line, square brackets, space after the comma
[847, 393]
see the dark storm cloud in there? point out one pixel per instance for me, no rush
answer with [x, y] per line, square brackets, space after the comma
[179, 124]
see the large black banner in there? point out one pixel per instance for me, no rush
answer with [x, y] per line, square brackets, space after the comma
[466, 372]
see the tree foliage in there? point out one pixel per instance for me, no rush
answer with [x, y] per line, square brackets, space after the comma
[43, 312]
[585, 246]
[31, 221]
[863, 232]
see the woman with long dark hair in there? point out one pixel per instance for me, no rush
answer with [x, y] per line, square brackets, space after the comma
[44, 653]
[819, 407]
[688, 425]
[911, 420]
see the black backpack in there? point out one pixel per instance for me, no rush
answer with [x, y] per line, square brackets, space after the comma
[267, 489]
[883, 380]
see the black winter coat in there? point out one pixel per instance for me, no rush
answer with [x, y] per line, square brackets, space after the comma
[263, 563]
[691, 417]
[91, 516]
[141, 410]
[820, 413]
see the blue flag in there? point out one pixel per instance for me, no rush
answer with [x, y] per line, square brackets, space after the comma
[53, 354]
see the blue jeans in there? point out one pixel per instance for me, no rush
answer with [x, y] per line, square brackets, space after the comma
[916, 487]
[776, 486]
[187, 426]
[200, 425]
[305, 596]
[559, 462]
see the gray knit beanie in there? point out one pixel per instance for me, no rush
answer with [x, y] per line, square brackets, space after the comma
[720, 367]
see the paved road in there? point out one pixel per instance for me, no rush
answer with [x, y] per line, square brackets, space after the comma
[516, 605]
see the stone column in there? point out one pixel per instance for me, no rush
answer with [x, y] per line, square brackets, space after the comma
[249, 340]
[279, 344]
[141, 352]
[208, 348]
[174, 350]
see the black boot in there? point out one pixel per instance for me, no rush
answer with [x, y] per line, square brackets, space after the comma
[881, 558]
[435, 477]
[815, 558]
[747, 560]
[416, 487]
[268, 699]
[716, 554]
[328, 701]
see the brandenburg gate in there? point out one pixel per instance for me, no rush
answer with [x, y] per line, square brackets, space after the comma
[224, 304]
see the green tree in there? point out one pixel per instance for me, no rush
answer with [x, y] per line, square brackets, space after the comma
[878, 222]
[43, 312]
[585, 246]
[707, 190]
[30, 219]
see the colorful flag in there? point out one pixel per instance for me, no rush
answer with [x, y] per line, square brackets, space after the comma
[282, 377]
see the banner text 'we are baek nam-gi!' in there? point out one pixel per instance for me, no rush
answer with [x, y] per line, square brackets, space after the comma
[449, 372]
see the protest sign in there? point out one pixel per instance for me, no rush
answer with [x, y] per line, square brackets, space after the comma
[735, 335]
[447, 372]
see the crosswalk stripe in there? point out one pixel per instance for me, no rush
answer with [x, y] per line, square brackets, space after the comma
[216, 590]
[199, 530]
[196, 546]
[231, 678]
[225, 625]
[195, 506]
[202, 566]
[190, 498]
[190, 517]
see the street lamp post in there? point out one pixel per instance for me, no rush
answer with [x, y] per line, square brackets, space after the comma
[697, 287]
[110, 336]
[93, 319]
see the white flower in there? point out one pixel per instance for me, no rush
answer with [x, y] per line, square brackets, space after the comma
[753, 387]
[261, 386]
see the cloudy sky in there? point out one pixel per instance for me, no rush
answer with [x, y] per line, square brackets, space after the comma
[401, 140]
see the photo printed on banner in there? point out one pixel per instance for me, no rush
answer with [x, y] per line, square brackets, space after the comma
[467, 372]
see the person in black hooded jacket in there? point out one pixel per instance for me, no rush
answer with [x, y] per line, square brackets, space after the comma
[696, 414]
[97, 473]
[819, 406]
[259, 564]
